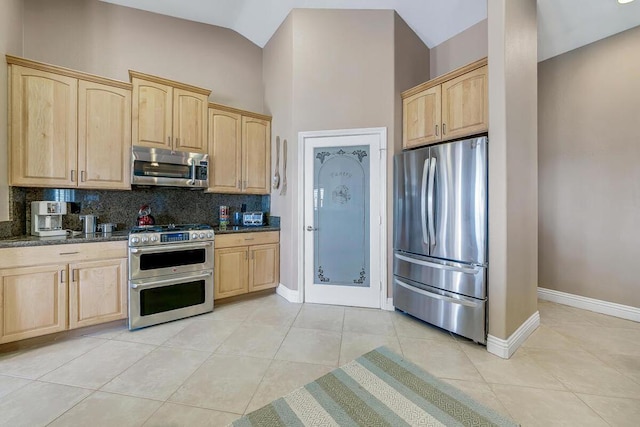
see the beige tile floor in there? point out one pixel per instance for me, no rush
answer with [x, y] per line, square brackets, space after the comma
[578, 369]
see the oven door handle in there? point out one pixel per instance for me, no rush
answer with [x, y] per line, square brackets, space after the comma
[156, 283]
[165, 248]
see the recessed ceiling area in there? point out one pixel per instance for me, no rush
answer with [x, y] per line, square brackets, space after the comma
[563, 25]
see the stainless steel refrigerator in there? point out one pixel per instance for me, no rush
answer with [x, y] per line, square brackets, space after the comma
[440, 236]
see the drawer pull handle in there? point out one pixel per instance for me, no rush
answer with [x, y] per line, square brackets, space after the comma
[250, 238]
[69, 253]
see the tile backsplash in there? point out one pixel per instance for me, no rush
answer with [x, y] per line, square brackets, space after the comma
[168, 205]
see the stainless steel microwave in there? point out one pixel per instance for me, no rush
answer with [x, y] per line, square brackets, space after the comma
[156, 166]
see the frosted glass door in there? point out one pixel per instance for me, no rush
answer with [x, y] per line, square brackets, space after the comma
[343, 259]
[341, 215]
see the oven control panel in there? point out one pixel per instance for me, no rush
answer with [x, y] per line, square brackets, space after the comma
[174, 237]
[150, 239]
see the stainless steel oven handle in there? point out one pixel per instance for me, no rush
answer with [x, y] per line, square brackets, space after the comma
[166, 248]
[435, 296]
[156, 283]
[435, 265]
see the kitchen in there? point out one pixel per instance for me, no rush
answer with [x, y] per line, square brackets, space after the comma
[41, 45]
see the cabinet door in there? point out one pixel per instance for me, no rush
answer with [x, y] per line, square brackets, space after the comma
[97, 292]
[465, 104]
[256, 153]
[264, 267]
[43, 117]
[104, 136]
[225, 149]
[189, 121]
[231, 275]
[151, 114]
[33, 301]
[421, 118]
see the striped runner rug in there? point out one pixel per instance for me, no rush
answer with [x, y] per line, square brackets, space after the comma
[379, 388]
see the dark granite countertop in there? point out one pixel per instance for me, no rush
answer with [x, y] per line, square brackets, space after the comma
[231, 229]
[21, 241]
[28, 240]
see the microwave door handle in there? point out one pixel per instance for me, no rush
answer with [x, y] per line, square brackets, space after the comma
[192, 181]
[423, 203]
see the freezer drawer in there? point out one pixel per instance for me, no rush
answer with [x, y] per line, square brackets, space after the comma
[455, 277]
[458, 314]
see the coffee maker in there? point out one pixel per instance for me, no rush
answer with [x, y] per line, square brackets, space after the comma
[46, 218]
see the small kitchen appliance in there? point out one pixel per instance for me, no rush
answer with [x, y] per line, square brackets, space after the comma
[89, 223]
[252, 218]
[170, 273]
[46, 218]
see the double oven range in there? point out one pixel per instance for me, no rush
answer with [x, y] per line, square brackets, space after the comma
[170, 273]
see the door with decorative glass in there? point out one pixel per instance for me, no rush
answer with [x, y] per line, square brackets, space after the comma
[342, 196]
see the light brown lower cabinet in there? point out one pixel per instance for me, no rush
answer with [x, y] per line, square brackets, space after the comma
[33, 301]
[80, 285]
[97, 292]
[246, 262]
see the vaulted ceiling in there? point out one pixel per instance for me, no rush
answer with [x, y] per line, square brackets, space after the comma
[563, 25]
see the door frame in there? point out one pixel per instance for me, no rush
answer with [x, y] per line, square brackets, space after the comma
[381, 132]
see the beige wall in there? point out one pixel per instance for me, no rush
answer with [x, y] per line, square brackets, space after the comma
[411, 67]
[11, 12]
[468, 46]
[108, 40]
[513, 169]
[589, 154]
[343, 71]
[278, 96]
[343, 74]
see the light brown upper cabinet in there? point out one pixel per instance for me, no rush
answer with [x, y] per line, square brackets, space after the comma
[450, 106]
[240, 151]
[169, 114]
[68, 129]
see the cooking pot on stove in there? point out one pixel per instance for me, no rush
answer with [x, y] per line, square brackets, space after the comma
[144, 216]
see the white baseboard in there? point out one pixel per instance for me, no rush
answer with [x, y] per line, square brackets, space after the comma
[591, 304]
[388, 305]
[288, 294]
[506, 348]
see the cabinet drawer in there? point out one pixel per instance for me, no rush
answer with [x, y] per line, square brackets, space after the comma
[38, 255]
[246, 239]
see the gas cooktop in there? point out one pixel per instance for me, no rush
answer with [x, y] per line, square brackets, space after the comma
[150, 235]
[170, 228]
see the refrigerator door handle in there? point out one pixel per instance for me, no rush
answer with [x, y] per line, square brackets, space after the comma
[436, 265]
[423, 203]
[431, 219]
[435, 296]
